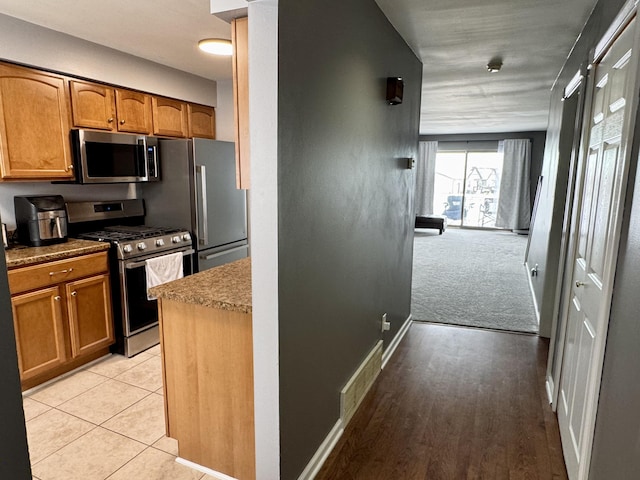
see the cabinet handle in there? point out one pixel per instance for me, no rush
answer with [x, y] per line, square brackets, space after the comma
[68, 270]
[57, 298]
[68, 167]
[121, 122]
[74, 293]
[110, 119]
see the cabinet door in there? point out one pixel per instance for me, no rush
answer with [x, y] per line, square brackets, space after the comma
[34, 125]
[92, 105]
[202, 121]
[90, 318]
[40, 336]
[240, 39]
[134, 111]
[169, 117]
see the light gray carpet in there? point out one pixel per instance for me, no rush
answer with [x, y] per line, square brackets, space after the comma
[473, 278]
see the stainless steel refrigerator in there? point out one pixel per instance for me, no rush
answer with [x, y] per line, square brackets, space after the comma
[198, 191]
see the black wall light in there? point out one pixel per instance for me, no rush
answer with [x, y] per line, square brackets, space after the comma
[395, 86]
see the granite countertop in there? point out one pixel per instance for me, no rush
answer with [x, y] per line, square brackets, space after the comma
[22, 256]
[227, 287]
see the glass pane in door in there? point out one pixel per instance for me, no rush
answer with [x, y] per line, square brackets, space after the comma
[482, 188]
[449, 186]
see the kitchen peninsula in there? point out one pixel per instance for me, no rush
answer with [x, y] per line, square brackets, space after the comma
[207, 358]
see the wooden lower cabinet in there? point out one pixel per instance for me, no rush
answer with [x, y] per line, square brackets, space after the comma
[39, 328]
[90, 319]
[65, 323]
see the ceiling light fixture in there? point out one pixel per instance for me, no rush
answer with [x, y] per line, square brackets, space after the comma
[494, 65]
[216, 46]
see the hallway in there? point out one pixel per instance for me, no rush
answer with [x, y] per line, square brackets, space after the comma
[454, 403]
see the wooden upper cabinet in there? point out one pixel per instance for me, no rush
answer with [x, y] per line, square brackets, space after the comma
[169, 117]
[34, 125]
[240, 62]
[202, 121]
[134, 111]
[92, 105]
[107, 108]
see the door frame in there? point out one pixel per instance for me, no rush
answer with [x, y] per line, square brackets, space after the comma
[579, 85]
[626, 15]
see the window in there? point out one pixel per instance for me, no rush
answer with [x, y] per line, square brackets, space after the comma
[467, 187]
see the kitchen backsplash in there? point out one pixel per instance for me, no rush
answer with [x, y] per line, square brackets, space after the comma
[69, 192]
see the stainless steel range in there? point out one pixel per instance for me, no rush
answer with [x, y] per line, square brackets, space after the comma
[132, 244]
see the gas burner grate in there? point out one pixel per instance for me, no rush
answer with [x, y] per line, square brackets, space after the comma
[124, 233]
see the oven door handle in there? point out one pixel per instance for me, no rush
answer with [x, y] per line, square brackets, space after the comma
[132, 265]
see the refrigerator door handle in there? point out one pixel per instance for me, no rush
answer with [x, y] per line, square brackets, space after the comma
[202, 170]
[224, 252]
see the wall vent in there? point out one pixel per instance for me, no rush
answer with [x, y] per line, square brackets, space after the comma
[359, 384]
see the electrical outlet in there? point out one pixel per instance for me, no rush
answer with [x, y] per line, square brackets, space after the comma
[385, 324]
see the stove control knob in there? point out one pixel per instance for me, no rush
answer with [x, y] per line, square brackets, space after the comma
[159, 242]
[176, 239]
[186, 237]
[127, 248]
[142, 246]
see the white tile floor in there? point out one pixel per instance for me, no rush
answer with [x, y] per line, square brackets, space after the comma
[105, 421]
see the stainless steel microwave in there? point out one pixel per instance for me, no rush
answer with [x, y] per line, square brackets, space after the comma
[104, 157]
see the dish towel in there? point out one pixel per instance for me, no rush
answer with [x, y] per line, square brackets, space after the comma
[162, 270]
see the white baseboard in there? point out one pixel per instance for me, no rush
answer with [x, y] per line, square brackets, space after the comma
[203, 469]
[533, 293]
[386, 356]
[318, 459]
[549, 387]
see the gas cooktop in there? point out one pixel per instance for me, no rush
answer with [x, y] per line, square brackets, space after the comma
[124, 233]
[138, 240]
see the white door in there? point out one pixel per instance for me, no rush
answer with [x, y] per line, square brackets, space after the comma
[597, 230]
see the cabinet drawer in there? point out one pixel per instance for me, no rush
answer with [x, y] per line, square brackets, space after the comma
[52, 273]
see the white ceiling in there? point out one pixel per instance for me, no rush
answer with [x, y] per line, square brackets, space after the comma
[454, 39]
[164, 31]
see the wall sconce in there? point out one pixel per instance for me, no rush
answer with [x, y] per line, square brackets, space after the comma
[395, 86]
[494, 65]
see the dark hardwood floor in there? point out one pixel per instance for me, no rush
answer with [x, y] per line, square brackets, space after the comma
[454, 403]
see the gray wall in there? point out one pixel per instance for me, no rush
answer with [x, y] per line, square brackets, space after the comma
[345, 203]
[14, 461]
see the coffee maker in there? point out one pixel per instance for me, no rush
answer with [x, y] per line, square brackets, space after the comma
[40, 219]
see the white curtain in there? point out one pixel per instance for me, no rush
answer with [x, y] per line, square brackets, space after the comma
[425, 176]
[514, 205]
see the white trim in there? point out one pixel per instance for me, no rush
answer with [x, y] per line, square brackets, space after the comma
[263, 127]
[550, 389]
[619, 24]
[573, 85]
[386, 355]
[533, 294]
[325, 448]
[203, 469]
